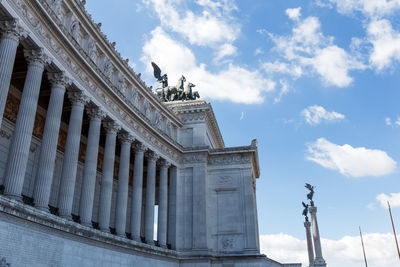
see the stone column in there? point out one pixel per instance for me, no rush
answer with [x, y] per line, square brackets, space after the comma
[163, 204]
[11, 34]
[171, 229]
[123, 184]
[21, 141]
[71, 154]
[90, 169]
[150, 197]
[48, 149]
[319, 261]
[307, 225]
[107, 177]
[136, 207]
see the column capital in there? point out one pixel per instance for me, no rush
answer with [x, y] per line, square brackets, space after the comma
[95, 113]
[36, 56]
[78, 97]
[139, 147]
[126, 138]
[164, 163]
[111, 127]
[152, 156]
[307, 224]
[59, 79]
[12, 28]
[313, 210]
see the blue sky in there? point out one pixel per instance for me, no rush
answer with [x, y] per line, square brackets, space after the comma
[316, 82]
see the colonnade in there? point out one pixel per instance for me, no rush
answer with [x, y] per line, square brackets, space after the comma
[21, 139]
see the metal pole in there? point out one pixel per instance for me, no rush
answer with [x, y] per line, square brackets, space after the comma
[362, 243]
[394, 230]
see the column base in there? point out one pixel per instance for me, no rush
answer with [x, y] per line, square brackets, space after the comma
[319, 262]
[150, 242]
[162, 246]
[67, 217]
[105, 230]
[137, 239]
[42, 208]
[15, 197]
[87, 224]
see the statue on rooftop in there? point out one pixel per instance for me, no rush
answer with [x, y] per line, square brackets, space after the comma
[173, 93]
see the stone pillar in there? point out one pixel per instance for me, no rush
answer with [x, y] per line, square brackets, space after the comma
[21, 141]
[136, 207]
[90, 169]
[48, 149]
[319, 261]
[123, 184]
[150, 197]
[107, 177]
[71, 154]
[11, 34]
[307, 225]
[171, 229]
[163, 204]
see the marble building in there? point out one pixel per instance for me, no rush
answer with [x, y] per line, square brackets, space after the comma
[92, 162]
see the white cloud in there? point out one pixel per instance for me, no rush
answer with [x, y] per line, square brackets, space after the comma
[293, 13]
[284, 90]
[314, 115]
[385, 42]
[350, 161]
[225, 50]
[393, 198]
[380, 34]
[258, 51]
[232, 82]
[281, 67]
[370, 8]
[213, 26]
[388, 121]
[347, 251]
[308, 50]
[242, 116]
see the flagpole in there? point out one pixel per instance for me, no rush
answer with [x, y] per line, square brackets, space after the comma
[362, 243]
[394, 230]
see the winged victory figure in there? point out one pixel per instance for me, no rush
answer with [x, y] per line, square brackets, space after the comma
[311, 194]
[163, 79]
[305, 211]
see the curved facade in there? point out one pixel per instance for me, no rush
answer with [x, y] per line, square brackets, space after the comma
[93, 164]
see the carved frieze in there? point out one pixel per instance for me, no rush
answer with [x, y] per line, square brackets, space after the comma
[194, 158]
[229, 159]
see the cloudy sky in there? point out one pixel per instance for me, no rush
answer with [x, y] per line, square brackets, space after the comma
[316, 82]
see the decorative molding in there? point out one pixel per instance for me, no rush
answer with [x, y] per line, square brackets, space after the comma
[77, 97]
[111, 127]
[13, 29]
[152, 156]
[59, 79]
[229, 159]
[194, 158]
[36, 56]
